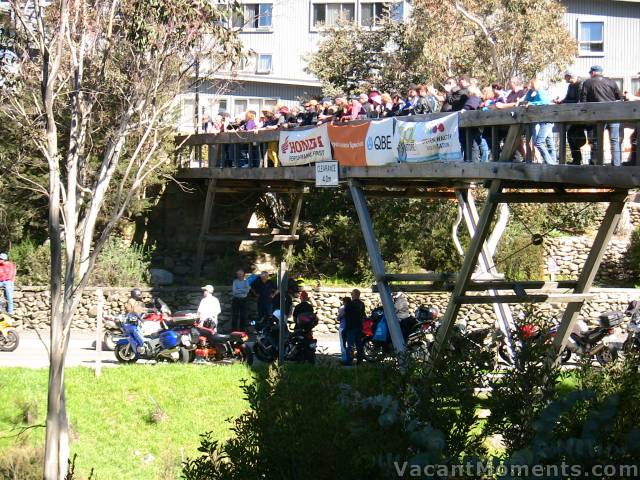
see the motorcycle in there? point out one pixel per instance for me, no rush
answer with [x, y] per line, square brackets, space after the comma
[173, 345]
[299, 346]
[418, 332]
[215, 347]
[9, 338]
[590, 342]
[113, 324]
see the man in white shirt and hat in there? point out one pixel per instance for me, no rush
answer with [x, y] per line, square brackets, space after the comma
[209, 307]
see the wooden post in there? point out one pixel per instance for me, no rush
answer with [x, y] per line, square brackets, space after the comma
[294, 222]
[495, 147]
[599, 160]
[204, 228]
[562, 143]
[511, 143]
[284, 330]
[377, 265]
[468, 145]
[99, 312]
[589, 270]
[529, 154]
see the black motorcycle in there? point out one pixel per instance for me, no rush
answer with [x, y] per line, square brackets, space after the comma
[417, 332]
[299, 346]
[588, 342]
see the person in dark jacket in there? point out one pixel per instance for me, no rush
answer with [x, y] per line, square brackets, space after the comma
[601, 89]
[303, 307]
[266, 291]
[576, 136]
[310, 115]
[354, 314]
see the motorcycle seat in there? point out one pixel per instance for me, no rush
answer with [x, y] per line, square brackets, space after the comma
[218, 337]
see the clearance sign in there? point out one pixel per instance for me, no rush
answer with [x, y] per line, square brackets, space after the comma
[301, 147]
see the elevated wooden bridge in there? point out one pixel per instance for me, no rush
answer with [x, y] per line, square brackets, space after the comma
[505, 180]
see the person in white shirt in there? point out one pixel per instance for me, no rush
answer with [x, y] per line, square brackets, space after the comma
[209, 307]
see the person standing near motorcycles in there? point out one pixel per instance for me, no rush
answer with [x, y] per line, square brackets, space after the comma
[303, 307]
[209, 308]
[7, 280]
[265, 290]
[239, 289]
[354, 313]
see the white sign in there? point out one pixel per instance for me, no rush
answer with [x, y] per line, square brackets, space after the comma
[301, 147]
[327, 174]
[380, 142]
[427, 141]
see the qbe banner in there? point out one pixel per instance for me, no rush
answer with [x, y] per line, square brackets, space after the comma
[427, 141]
[380, 142]
[301, 147]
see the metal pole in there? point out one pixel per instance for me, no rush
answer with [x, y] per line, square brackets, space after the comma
[377, 264]
[282, 288]
[99, 308]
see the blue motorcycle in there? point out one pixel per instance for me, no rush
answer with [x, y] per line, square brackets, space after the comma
[173, 345]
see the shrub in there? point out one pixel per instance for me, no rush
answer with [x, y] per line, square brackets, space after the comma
[22, 463]
[119, 264]
[519, 259]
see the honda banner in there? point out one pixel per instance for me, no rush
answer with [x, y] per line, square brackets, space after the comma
[427, 141]
[301, 147]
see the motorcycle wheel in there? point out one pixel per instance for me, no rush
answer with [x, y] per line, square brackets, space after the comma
[124, 353]
[260, 354]
[630, 345]
[419, 350]
[185, 355]
[565, 356]
[373, 352]
[109, 340]
[607, 356]
[247, 355]
[9, 340]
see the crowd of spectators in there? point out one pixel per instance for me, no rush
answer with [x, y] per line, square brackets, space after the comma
[457, 95]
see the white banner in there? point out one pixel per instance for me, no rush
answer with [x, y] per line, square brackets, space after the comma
[427, 141]
[301, 147]
[379, 143]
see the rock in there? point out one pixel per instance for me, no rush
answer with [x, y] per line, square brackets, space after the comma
[160, 276]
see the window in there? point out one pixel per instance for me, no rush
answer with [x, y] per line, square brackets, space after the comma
[372, 13]
[256, 104]
[254, 16]
[619, 81]
[635, 86]
[329, 14]
[240, 107]
[263, 65]
[591, 38]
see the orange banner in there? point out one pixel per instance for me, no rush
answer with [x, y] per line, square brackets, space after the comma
[348, 144]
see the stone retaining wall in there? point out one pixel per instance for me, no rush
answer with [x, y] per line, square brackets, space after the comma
[32, 304]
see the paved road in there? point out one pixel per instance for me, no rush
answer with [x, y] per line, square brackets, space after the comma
[32, 353]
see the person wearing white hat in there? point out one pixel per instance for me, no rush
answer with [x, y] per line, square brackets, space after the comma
[7, 280]
[209, 307]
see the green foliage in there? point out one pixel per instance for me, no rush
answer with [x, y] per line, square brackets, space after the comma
[120, 264]
[518, 259]
[521, 393]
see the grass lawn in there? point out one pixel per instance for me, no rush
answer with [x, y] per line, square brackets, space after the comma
[111, 426]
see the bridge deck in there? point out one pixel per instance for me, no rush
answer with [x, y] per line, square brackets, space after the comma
[521, 175]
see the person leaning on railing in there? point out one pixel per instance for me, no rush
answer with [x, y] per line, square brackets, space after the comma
[601, 89]
[576, 136]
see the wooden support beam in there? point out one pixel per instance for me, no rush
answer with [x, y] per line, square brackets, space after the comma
[252, 238]
[599, 158]
[468, 266]
[420, 277]
[567, 197]
[529, 298]
[479, 286]
[377, 265]
[589, 270]
[511, 143]
[297, 208]
[562, 143]
[411, 193]
[418, 287]
[205, 226]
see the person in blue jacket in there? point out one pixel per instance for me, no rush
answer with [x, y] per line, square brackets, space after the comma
[543, 133]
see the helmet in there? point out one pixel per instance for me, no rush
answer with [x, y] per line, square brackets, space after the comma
[136, 294]
[4, 256]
